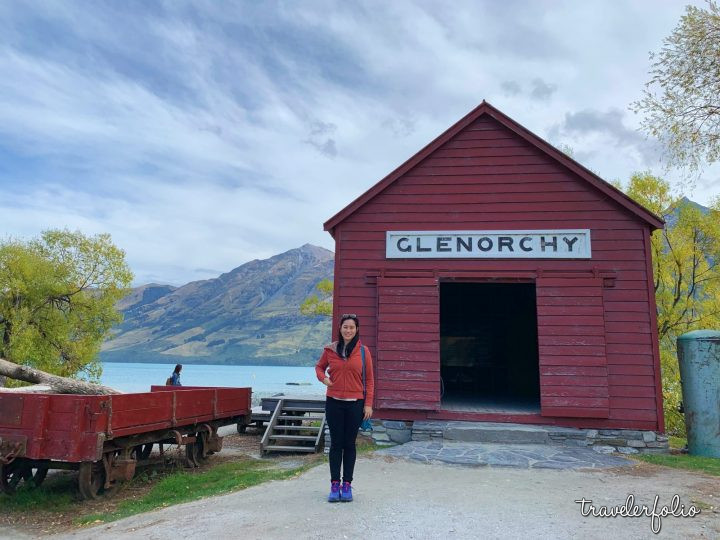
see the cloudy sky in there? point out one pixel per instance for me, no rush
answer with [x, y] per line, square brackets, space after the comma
[202, 135]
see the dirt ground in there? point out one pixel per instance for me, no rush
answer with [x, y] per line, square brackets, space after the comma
[42, 523]
[401, 499]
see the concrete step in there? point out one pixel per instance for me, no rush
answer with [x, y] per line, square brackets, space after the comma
[490, 432]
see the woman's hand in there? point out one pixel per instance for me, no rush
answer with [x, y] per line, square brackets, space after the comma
[367, 412]
[327, 381]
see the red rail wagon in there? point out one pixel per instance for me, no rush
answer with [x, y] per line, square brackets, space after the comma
[105, 437]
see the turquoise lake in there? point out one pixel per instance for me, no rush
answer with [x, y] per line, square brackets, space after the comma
[264, 380]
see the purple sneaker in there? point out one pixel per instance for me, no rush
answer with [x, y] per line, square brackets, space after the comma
[334, 492]
[346, 492]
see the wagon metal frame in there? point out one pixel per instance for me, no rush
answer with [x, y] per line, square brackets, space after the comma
[105, 438]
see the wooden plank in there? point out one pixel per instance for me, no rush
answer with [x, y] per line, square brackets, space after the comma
[575, 402]
[629, 370]
[628, 326]
[624, 379]
[404, 285]
[488, 151]
[483, 161]
[562, 350]
[575, 412]
[632, 391]
[408, 375]
[573, 331]
[408, 405]
[626, 306]
[565, 320]
[583, 371]
[614, 348]
[572, 379]
[574, 340]
[414, 309]
[624, 316]
[386, 318]
[620, 338]
[640, 403]
[450, 194]
[430, 336]
[391, 385]
[412, 327]
[570, 306]
[568, 292]
[407, 364]
[411, 356]
[398, 298]
[415, 346]
[519, 220]
[487, 169]
[577, 391]
[573, 361]
[630, 359]
[633, 414]
[621, 295]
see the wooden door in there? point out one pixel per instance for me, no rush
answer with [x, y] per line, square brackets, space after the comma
[571, 342]
[408, 346]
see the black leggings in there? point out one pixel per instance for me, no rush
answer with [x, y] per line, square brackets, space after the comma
[344, 419]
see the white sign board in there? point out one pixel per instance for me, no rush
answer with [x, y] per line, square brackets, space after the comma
[540, 244]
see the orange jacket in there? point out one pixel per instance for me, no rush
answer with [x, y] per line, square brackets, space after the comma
[346, 375]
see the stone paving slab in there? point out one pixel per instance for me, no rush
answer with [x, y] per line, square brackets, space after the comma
[522, 456]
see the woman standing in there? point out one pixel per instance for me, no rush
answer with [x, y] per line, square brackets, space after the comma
[348, 402]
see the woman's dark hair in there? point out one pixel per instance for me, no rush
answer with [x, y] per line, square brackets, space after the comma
[178, 367]
[340, 341]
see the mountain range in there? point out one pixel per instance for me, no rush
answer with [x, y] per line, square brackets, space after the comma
[248, 316]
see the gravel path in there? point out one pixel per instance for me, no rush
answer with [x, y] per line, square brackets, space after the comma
[401, 498]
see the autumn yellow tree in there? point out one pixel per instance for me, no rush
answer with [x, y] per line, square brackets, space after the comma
[57, 300]
[319, 304]
[686, 274]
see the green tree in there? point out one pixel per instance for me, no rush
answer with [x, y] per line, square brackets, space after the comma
[57, 300]
[686, 273]
[319, 305]
[681, 102]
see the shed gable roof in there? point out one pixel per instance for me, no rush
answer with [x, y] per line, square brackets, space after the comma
[486, 109]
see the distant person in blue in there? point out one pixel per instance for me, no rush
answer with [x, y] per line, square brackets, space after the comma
[175, 378]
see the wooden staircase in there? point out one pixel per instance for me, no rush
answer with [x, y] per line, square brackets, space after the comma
[296, 425]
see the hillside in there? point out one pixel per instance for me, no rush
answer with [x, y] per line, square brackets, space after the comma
[249, 315]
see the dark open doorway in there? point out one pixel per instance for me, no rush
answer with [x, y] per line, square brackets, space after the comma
[488, 347]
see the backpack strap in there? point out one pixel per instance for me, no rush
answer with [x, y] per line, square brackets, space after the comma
[362, 355]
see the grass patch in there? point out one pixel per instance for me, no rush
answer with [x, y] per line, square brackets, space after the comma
[677, 443]
[184, 486]
[54, 495]
[707, 465]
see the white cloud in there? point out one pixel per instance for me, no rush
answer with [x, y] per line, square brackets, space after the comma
[208, 134]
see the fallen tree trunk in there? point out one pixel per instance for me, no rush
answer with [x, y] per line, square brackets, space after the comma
[34, 389]
[58, 385]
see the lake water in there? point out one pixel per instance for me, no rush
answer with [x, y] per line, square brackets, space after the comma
[264, 380]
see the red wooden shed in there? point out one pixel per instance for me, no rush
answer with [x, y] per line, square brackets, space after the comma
[496, 279]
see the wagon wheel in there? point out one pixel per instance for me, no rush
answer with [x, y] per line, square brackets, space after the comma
[35, 475]
[91, 481]
[10, 476]
[143, 451]
[201, 448]
[13, 473]
[191, 458]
